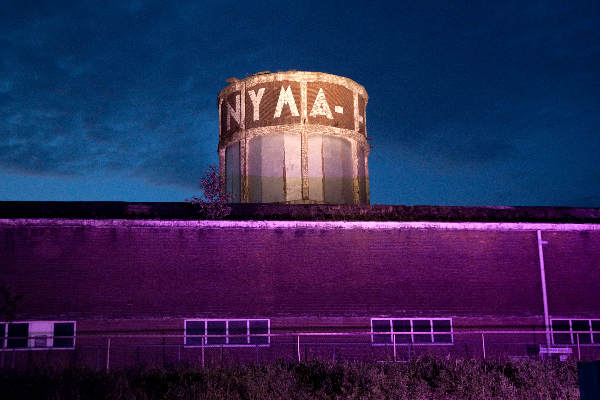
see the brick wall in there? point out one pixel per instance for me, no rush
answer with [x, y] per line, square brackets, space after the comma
[185, 271]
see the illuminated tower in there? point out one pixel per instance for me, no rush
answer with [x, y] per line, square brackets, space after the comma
[294, 137]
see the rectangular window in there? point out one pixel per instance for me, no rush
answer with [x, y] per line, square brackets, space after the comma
[37, 335]
[64, 335]
[227, 332]
[572, 331]
[411, 330]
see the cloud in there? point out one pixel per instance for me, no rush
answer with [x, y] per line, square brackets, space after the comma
[130, 87]
[87, 91]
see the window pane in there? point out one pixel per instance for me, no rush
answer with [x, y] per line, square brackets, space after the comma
[2, 333]
[64, 329]
[63, 334]
[238, 328]
[580, 325]
[442, 338]
[259, 327]
[403, 338]
[422, 338]
[562, 338]
[584, 338]
[17, 335]
[216, 328]
[401, 325]
[421, 325]
[380, 325]
[441, 325]
[560, 325]
[63, 342]
[193, 341]
[194, 328]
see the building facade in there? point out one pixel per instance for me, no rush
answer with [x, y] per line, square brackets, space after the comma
[134, 283]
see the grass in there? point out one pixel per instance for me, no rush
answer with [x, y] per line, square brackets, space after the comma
[424, 378]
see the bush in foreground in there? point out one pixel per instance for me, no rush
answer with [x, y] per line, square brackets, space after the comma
[424, 378]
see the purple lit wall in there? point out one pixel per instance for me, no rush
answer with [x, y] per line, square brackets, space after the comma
[147, 277]
[168, 268]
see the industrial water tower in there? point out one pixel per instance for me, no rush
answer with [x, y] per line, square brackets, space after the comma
[294, 137]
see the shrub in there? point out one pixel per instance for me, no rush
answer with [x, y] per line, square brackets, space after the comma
[424, 378]
[213, 200]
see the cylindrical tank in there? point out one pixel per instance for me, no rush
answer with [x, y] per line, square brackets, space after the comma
[294, 137]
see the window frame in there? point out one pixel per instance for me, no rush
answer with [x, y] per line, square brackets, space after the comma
[412, 332]
[32, 335]
[572, 333]
[226, 344]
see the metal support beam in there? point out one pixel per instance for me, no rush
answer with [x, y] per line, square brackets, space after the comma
[544, 291]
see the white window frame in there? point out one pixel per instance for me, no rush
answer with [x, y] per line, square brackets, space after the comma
[412, 332]
[40, 330]
[572, 333]
[226, 344]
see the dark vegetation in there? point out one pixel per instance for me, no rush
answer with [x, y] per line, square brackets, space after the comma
[424, 378]
[312, 212]
[213, 202]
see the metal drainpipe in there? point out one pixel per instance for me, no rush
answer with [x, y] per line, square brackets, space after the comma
[544, 292]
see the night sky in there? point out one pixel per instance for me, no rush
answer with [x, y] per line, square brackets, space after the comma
[489, 104]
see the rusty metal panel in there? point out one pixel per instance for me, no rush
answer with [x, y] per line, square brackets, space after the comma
[293, 173]
[361, 114]
[337, 170]
[232, 180]
[266, 169]
[362, 179]
[315, 167]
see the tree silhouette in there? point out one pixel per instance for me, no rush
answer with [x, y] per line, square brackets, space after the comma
[213, 200]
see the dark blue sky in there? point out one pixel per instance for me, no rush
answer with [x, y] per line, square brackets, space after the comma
[496, 103]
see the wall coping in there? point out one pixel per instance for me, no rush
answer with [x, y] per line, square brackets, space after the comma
[275, 225]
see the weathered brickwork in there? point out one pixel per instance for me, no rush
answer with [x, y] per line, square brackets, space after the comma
[178, 270]
[126, 278]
